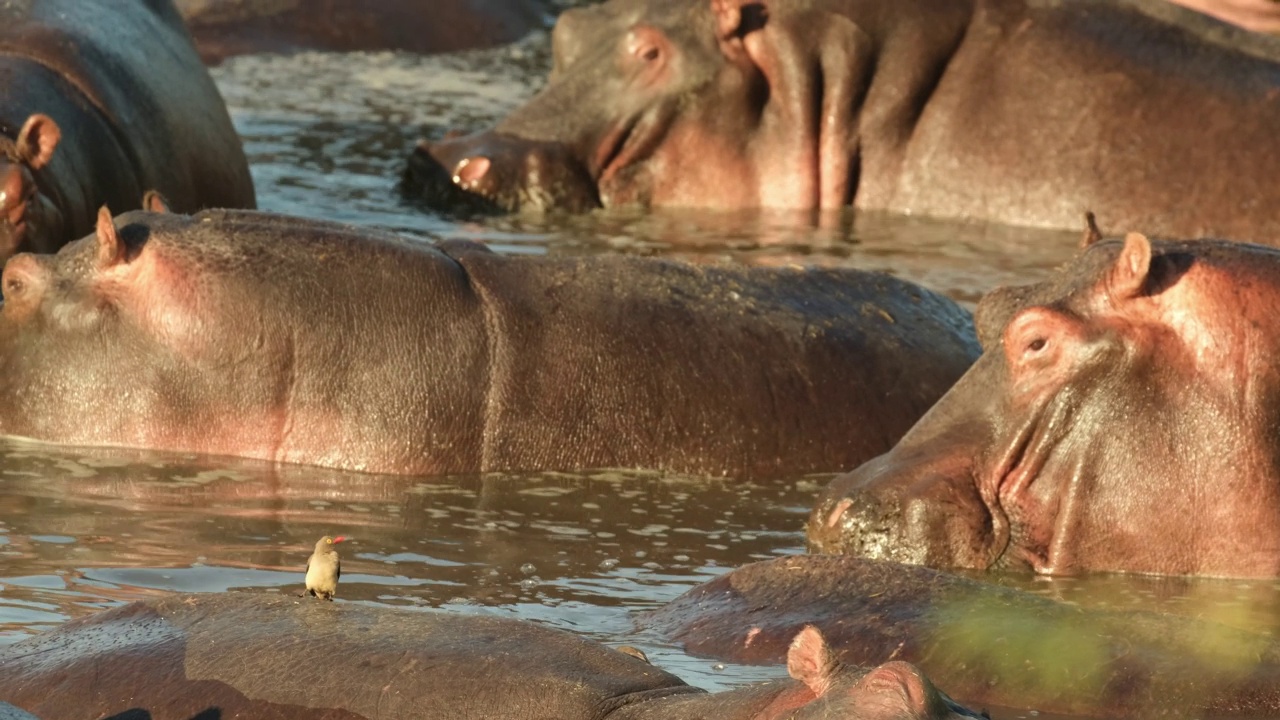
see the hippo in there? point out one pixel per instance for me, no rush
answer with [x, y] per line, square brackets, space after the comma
[258, 655]
[102, 101]
[223, 28]
[285, 339]
[1123, 417]
[1022, 112]
[989, 646]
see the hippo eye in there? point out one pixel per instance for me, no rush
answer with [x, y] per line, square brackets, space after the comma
[1037, 345]
[12, 286]
[650, 53]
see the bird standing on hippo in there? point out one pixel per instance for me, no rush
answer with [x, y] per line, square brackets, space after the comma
[1124, 416]
[246, 655]
[99, 102]
[293, 340]
[1024, 112]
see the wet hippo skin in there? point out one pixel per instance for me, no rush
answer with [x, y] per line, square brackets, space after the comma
[1124, 416]
[987, 645]
[102, 101]
[243, 655]
[293, 340]
[1025, 112]
[222, 28]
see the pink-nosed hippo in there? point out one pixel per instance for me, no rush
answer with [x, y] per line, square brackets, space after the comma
[222, 28]
[1014, 111]
[286, 339]
[245, 655]
[1125, 416]
[100, 101]
[987, 645]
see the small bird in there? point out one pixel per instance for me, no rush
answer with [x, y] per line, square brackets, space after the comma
[324, 567]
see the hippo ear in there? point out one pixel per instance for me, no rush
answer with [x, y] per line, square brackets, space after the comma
[809, 660]
[37, 140]
[736, 18]
[153, 201]
[1091, 232]
[109, 250]
[1129, 275]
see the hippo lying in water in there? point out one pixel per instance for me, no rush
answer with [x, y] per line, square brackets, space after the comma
[222, 28]
[1014, 111]
[101, 101]
[987, 645]
[245, 655]
[295, 340]
[1124, 417]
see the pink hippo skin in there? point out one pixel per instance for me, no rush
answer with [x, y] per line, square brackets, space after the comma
[99, 102]
[1014, 111]
[222, 28]
[259, 656]
[1125, 416]
[1256, 15]
[285, 339]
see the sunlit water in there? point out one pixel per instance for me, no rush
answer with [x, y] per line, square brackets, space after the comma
[327, 135]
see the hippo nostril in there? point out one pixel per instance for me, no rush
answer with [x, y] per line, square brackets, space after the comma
[838, 511]
[470, 170]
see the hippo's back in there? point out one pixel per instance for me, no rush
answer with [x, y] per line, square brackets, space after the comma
[286, 657]
[135, 63]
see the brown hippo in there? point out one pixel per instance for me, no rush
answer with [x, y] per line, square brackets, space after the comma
[243, 655]
[1124, 416]
[1014, 111]
[99, 102]
[275, 337]
[987, 645]
[222, 28]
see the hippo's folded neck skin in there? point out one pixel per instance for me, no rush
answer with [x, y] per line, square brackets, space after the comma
[717, 104]
[1122, 418]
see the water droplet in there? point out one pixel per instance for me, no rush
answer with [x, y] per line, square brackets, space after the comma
[608, 564]
[528, 569]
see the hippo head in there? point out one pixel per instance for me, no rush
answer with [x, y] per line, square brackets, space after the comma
[1123, 417]
[28, 220]
[694, 103]
[893, 691]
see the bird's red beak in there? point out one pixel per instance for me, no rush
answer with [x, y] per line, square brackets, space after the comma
[338, 539]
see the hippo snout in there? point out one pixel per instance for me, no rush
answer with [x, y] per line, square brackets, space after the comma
[928, 519]
[495, 172]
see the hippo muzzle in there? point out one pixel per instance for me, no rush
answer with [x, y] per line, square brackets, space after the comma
[909, 511]
[492, 171]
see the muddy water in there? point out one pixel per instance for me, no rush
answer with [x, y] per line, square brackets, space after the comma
[327, 135]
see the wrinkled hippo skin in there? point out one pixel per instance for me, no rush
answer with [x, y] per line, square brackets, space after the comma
[1256, 15]
[1015, 111]
[100, 102]
[286, 339]
[987, 645]
[1123, 417]
[249, 655]
[222, 28]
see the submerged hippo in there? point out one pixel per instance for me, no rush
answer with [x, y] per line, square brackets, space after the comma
[1014, 111]
[1124, 416]
[242, 655]
[275, 337]
[987, 645]
[222, 28]
[99, 102]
